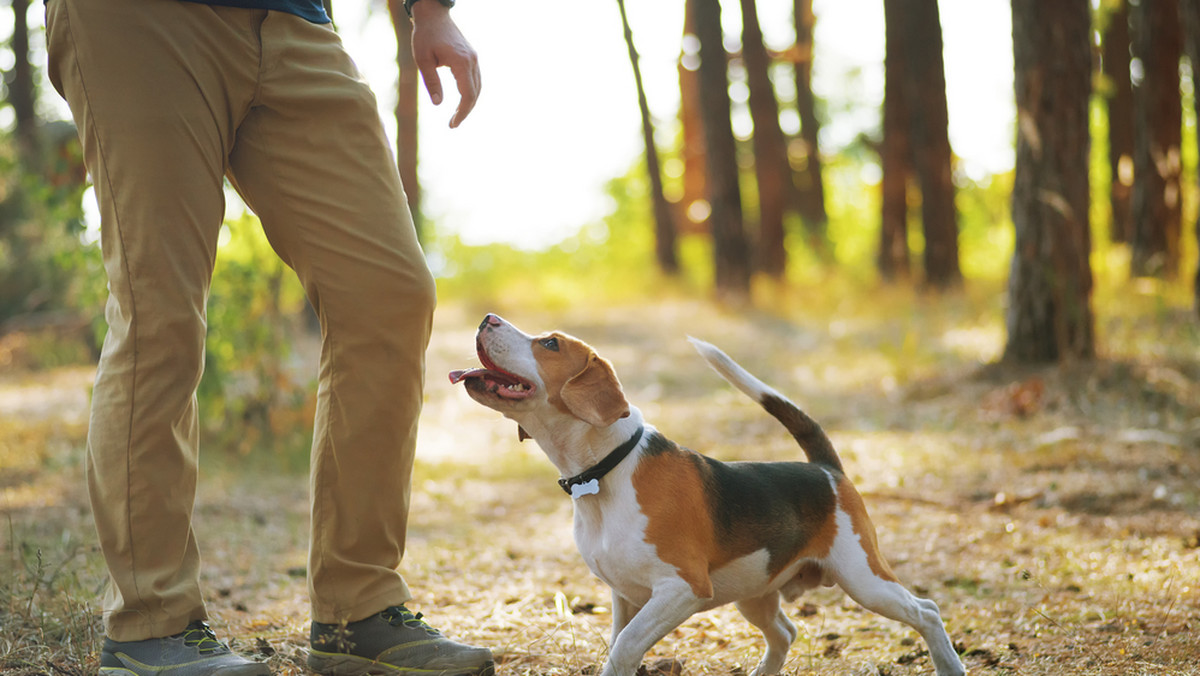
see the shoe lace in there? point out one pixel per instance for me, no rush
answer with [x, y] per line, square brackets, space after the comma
[399, 615]
[198, 635]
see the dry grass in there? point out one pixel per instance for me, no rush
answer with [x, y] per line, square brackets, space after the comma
[1053, 514]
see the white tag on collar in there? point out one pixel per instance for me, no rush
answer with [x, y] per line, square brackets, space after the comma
[586, 488]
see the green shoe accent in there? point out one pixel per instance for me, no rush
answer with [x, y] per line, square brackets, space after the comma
[193, 652]
[395, 641]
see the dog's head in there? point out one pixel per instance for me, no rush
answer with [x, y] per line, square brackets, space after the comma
[536, 379]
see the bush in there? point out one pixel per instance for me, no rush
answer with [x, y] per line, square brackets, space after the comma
[256, 393]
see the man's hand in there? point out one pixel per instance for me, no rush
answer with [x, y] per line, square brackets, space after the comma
[437, 42]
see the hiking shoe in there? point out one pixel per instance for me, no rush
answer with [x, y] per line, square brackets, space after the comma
[193, 652]
[394, 641]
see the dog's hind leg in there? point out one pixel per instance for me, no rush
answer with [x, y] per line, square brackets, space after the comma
[893, 601]
[875, 588]
[765, 613]
[856, 565]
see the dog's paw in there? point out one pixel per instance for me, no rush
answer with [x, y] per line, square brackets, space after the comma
[663, 667]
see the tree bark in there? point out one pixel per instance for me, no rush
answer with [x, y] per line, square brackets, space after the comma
[1157, 109]
[664, 223]
[407, 93]
[771, 168]
[1049, 314]
[895, 153]
[691, 126]
[930, 141]
[809, 181]
[22, 91]
[1119, 96]
[731, 256]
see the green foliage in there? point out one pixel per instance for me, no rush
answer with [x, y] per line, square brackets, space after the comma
[613, 260]
[45, 266]
[986, 236]
[852, 204]
[52, 285]
[253, 396]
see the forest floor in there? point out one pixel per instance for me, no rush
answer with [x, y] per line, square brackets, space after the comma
[1053, 514]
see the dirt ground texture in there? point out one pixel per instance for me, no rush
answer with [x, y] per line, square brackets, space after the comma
[1053, 514]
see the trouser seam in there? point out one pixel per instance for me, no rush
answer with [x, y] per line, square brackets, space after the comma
[133, 329]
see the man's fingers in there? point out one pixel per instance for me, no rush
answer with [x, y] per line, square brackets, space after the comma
[436, 43]
[469, 83]
[433, 84]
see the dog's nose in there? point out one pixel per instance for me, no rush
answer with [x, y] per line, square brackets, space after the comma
[490, 320]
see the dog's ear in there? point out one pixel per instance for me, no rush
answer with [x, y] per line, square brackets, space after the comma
[522, 435]
[594, 395]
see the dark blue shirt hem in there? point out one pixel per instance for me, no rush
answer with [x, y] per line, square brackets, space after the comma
[312, 10]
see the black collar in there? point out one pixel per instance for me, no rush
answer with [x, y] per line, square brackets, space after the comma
[597, 471]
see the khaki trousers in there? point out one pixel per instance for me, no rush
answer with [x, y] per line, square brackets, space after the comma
[169, 98]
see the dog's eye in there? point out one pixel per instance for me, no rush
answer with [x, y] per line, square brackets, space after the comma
[549, 343]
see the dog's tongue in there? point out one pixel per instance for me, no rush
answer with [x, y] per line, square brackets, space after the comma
[459, 375]
[499, 383]
[502, 377]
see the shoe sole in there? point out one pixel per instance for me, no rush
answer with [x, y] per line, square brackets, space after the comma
[245, 669]
[120, 671]
[337, 664]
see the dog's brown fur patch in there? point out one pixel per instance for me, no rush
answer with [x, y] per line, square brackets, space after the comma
[852, 503]
[679, 521]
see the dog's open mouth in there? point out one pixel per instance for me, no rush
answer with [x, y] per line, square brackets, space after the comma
[493, 379]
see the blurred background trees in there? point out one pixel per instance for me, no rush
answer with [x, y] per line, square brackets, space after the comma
[664, 219]
[741, 202]
[47, 274]
[1157, 201]
[1050, 283]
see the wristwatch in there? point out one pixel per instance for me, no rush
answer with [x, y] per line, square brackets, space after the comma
[409, 3]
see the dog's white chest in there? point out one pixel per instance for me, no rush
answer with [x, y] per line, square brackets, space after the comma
[609, 534]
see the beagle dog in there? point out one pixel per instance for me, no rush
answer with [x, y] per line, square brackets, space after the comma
[673, 532]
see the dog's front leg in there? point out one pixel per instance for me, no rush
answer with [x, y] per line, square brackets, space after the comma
[623, 610]
[671, 602]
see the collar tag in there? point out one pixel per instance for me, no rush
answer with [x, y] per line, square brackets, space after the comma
[586, 488]
[587, 482]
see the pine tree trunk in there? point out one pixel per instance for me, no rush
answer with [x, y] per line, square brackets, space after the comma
[1115, 60]
[810, 183]
[1157, 164]
[691, 127]
[664, 225]
[1049, 314]
[894, 152]
[408, 91]
[930, 141]
[771, 168]
[22, 92]
[730, 253]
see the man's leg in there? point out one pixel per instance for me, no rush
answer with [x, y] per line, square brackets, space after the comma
[155, 109]
[313, 162]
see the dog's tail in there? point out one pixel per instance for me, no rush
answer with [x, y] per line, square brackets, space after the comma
[806, 430]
